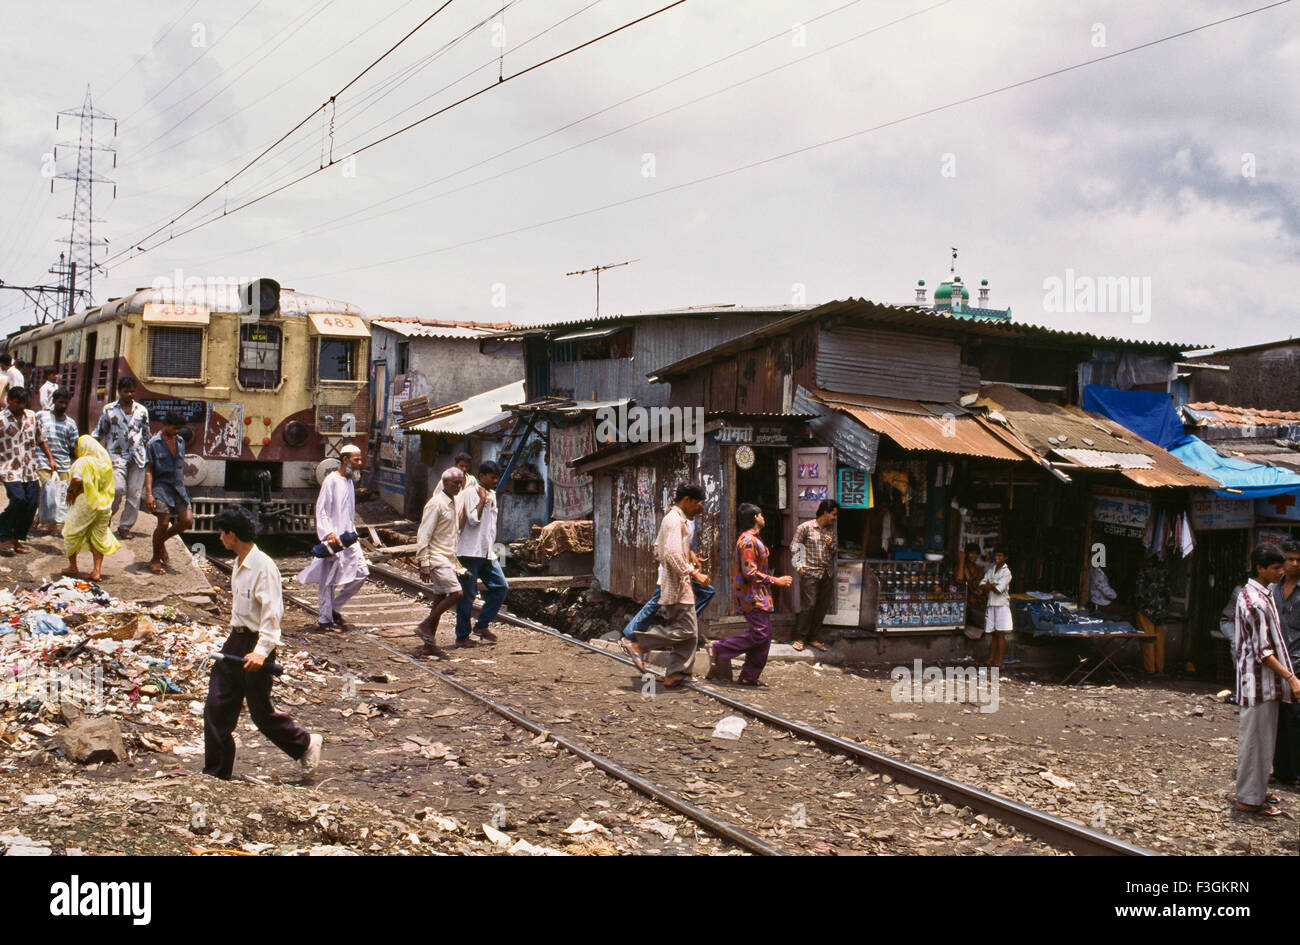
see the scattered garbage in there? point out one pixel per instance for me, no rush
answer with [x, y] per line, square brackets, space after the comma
[730, 728]
[96, 678]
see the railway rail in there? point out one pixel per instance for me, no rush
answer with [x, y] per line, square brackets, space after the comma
[389, 610]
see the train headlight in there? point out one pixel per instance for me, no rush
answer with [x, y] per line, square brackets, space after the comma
[262, 297]
[296, 433]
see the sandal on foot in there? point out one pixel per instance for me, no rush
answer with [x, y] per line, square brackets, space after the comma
[156, 568]
[751, 682]
[1260, 810]
[677, 681]
[632, 650]
[818, 646]
[797, 646]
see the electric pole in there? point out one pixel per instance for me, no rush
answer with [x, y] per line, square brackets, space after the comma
[81, 237]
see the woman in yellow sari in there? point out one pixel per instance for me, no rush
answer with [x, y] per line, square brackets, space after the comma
[90, 506]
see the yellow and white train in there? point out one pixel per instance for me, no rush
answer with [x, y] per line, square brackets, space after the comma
[272, 382]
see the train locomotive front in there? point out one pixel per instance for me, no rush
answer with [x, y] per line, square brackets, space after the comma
[272, 383]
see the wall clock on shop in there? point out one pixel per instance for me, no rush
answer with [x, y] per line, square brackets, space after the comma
[745, 457]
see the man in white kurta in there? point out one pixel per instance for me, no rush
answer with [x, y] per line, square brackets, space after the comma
[341, 574]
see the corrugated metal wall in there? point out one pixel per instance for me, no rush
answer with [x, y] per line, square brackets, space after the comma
[641, 494]
[885, 363]
[656, 342]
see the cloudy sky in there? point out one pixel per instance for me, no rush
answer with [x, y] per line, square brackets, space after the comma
[1173, 166]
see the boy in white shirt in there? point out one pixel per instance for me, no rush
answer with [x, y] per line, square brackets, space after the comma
[997, 615]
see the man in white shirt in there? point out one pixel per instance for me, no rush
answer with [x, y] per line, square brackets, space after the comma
[257, 607]
[476, 551]
[997, 617]
[342, 573]
[48, 388]
[437, 539]
[12, 376]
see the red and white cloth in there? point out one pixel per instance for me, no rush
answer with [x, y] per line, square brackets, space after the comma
[1259, 636]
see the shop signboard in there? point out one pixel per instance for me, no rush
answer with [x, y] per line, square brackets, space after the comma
[1212, 512]
[1120, 511]
[855, 488]
[735, 435]
[1286, 505]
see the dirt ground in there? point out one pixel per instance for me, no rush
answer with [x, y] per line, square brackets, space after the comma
[410, 766]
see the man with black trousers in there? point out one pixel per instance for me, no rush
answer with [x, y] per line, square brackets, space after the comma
[256, 610]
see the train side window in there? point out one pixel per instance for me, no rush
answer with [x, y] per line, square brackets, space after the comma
[259, 357]
[338, 359]
[175, 352]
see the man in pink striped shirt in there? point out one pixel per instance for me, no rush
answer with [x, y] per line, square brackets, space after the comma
[1264, 680]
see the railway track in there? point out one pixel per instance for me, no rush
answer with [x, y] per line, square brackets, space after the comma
[816, 822]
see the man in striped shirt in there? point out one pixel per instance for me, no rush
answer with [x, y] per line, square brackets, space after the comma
[1264, 680]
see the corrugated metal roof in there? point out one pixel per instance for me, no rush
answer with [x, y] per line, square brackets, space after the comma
[912, 316]
[471, 414]
[1099, 459]
[699, 311]
[431, 328]
[1047, 429]
[914, 425]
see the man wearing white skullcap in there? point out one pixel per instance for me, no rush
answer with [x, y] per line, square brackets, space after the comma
[342, 573]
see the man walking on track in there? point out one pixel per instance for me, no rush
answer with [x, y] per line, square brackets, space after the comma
[255, 611]
[679, 635]
[341, 574]
[437, 539]
[476, 550]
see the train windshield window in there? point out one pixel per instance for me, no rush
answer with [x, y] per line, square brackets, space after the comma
[338, 359]
[259, 357]
[176, 352]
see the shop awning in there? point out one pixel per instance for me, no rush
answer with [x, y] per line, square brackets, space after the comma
[471, 414]
[344, 326]
[1064, 438]
[918, 426]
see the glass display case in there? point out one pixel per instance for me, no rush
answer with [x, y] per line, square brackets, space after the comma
[917, 595]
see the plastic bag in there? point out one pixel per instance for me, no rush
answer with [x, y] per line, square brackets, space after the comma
[54, 502]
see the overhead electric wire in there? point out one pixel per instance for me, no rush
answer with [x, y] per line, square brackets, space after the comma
[140, 250]
[306, 146]
[194, 61]
[806, 148]
[329, 225]
[323, 60]
[257, 61]
[143, 56]
[303, 121]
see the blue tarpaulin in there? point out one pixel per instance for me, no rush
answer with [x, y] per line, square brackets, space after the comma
[1247, 480]
[1149, 414]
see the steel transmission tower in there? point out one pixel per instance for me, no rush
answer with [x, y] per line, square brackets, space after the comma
[81, 239]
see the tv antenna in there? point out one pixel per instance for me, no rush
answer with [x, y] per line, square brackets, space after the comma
[598, 270]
